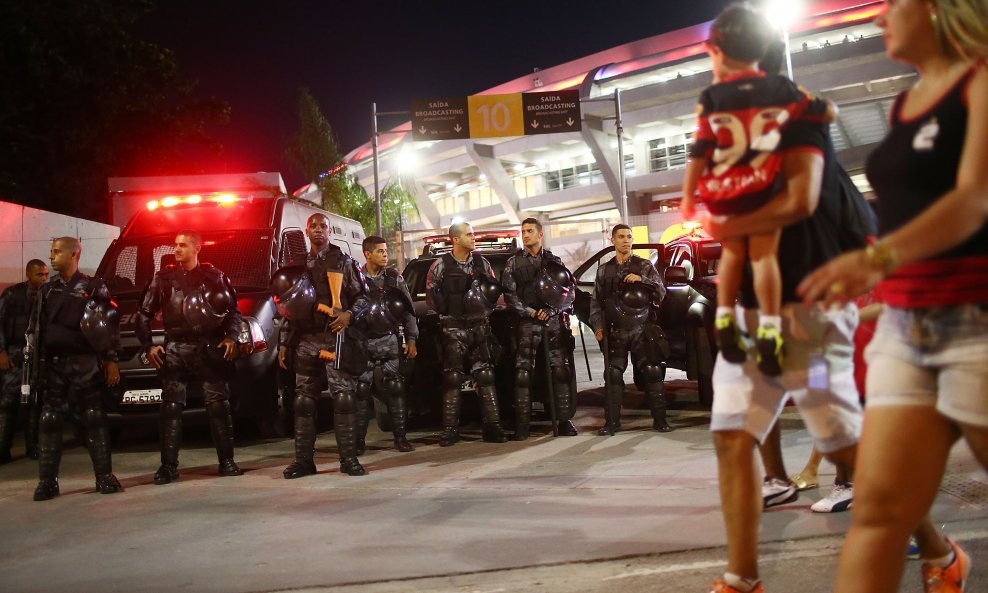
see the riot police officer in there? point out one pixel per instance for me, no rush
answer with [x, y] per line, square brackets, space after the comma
[460, 286]
[15, 307]
[623, 313]
[71, 362]
[325, 352]
[531, 279]
[391, 332]
[202, 324]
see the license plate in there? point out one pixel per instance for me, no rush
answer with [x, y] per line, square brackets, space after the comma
[141, 396]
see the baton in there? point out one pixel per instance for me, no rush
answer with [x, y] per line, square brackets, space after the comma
[585, 357]
[548, 378]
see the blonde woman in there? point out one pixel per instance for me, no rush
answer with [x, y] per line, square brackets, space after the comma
[927, 379]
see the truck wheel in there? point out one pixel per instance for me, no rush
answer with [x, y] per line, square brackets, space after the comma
[382, 416]
[704, 359]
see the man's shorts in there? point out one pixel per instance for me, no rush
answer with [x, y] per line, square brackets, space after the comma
[818, 373]
[932, 357]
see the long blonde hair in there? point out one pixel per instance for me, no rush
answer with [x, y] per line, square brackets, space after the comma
[961, 27]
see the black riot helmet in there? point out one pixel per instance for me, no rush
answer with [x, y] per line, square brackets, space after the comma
[630, 305]
[555, 286]
[294, 293]
[100, 323]
[386, 314]
[205, 307]
[482, 297]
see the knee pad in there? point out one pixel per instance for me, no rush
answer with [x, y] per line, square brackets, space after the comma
[171, 410]
[484, 377]
[93, 417]
[50, 419]
[561, 374]
[394, 386]
[363, 390]
[652, 373]
[452, 380]
[305, 407]
[344, 402]
[523, 378]
[615, 376]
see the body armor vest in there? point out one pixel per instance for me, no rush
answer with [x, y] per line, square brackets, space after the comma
[175, 287]
[331, 259]
[613, 288]
[456, 283]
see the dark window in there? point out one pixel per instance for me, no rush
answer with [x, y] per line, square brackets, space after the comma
[292, 247]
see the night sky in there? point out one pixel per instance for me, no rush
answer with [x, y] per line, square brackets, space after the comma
[255, 55]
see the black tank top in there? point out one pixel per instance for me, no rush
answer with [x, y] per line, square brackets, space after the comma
[917, 164]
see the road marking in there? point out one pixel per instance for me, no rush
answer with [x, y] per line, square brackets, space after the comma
[709, 564]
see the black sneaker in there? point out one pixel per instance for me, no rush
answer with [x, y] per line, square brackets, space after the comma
[729, 340]
[108, 484]
[769, 346]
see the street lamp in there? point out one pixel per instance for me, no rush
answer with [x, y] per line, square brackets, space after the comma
[782, 13]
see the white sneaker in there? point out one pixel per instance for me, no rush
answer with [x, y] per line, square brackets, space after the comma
[776, 492]
[838, 501]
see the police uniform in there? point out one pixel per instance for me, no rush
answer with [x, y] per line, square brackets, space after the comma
[72, 377]
[192, 356]
[386, 335]
[628, 313]
[310, 336]
[15, 308]
[520, 279]
[460, 292]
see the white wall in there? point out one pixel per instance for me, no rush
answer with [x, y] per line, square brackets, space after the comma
[26, 234]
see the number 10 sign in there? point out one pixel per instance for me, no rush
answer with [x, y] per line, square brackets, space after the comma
[486, 116]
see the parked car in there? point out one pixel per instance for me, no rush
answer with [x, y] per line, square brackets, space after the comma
[425, 383]
[246, 238]
[688, 264]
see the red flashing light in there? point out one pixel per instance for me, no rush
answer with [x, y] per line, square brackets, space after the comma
[221, 199]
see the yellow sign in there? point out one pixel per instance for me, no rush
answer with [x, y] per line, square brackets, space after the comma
[639, 234]
[496, 115]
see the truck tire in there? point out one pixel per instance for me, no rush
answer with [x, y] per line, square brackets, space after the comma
[703, 358]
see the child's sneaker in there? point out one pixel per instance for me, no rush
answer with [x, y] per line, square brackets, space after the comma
[950, 579]
[840, 499]
[768, 343]
[729, 340]
[721, 587]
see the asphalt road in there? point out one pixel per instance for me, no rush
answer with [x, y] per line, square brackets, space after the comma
[638, 511]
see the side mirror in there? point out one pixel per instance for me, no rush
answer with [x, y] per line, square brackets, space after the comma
[676, 275]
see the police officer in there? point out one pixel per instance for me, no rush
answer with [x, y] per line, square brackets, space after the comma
[15, 307]
[202, 323]
[391, 332]
[624, 309]
[339, 300]
[71, 367]
[460, 286]
[523, 276]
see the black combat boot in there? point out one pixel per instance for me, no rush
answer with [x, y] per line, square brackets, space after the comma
[98, 442]
[345, 426]
[657, 399]
[449, 437]
[565, 406]
[305, 445]
[49, 454]
[612, 411]
[399, 421]
[566, 428]
[221, 427]
[170, 433]
[493, 433]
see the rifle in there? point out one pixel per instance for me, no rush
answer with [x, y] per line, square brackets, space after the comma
[33, 376]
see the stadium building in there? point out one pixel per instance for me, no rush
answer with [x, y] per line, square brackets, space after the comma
[571, 181]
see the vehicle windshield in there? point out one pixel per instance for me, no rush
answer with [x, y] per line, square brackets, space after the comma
[245, 258]
[416, 271]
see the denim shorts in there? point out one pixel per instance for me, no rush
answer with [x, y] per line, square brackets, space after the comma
[818, 373]
[932, 357]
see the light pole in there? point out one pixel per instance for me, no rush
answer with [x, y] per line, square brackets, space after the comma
[782, 13]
